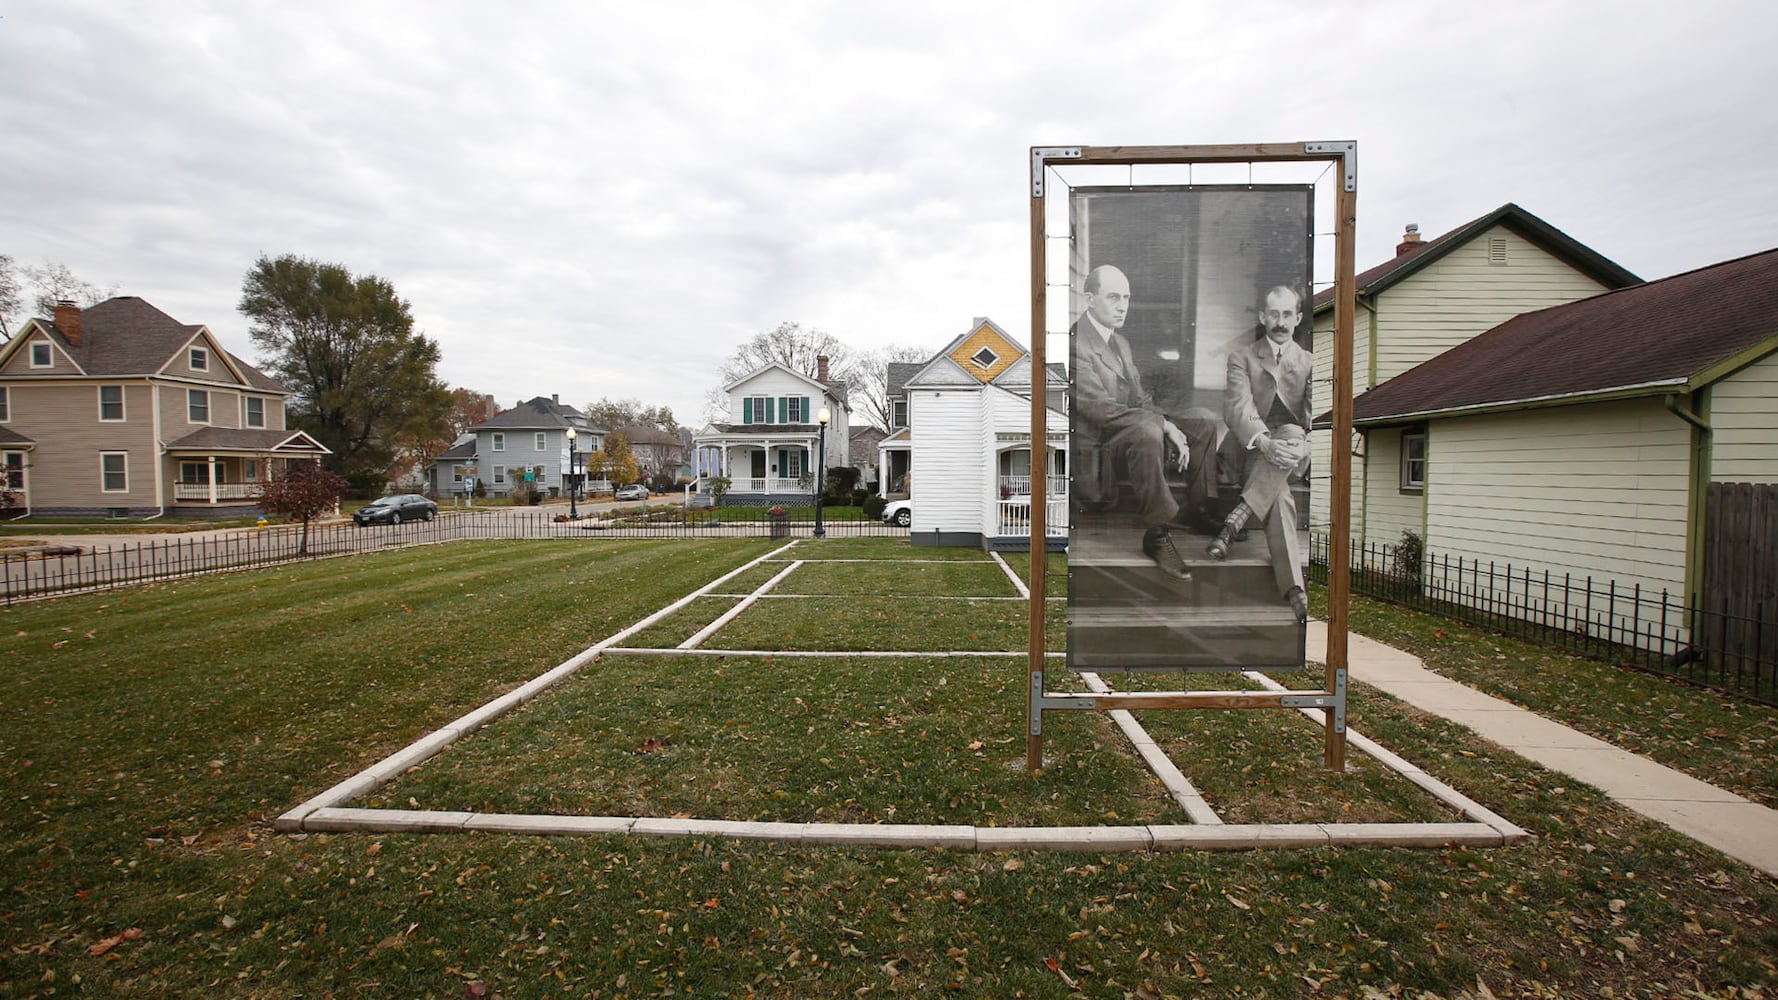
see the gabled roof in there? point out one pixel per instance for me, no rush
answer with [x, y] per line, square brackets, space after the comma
[461, 450]
[943, 368]
[8, 436]
[838, 388]
[897, 375]
[536, 414]
[639, 434]
[1557, 243]
[249, 439]
[125, 336]
[1672, 335]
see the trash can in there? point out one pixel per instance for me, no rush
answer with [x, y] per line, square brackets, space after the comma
[780, 522]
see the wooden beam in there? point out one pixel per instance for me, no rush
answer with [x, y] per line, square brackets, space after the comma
[1229, 153]
[1135, 700]
[1035, 638]
[1339, 579]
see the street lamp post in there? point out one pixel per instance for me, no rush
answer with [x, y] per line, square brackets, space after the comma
[573, 483]
[821, 470]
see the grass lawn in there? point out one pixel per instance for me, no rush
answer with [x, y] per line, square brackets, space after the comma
[148, 737]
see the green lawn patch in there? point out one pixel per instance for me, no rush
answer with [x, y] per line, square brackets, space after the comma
[148, 736]
[886, 623]
[909, 579]
[682, 624]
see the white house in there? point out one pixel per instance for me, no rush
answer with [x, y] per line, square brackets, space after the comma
[1595, 439]
[964, 453]
[768, 447]
[1430, 297]
[531, 438]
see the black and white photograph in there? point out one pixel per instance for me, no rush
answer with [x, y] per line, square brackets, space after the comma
[1190, 357]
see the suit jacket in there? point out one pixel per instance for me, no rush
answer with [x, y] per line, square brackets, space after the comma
[1257, 381]
[1102, 397]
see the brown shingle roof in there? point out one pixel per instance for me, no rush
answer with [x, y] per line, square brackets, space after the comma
[1564, 247]
[125, 336]
[244, 439]
[536, 413]
[10, 436]
[1651, 338]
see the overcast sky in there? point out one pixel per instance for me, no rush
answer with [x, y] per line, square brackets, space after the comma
[602, 199]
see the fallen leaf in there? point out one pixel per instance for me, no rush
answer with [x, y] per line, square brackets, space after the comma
[1238, 904]
[111, 942]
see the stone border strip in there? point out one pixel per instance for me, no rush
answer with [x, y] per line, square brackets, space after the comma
[324, 812]
[915, 836]
[734, 612]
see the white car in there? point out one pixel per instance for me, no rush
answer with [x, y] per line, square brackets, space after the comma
[633, 492]
[899, 512]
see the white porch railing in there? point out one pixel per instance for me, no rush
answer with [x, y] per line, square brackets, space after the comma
[769, 484]
[1015, 517]
[224, 491]
[1021, 485]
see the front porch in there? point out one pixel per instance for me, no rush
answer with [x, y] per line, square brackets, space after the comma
[223, 469]
[758, 468]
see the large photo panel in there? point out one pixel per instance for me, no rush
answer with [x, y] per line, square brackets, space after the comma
[1190, 358]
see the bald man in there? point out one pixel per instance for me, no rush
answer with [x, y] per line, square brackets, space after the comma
[1120, 419]
[1267, 409]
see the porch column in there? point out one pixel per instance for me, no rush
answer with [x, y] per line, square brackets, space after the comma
[212, 460]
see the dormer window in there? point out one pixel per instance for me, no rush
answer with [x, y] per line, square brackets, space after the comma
[984, 358]
[40, 356]
[200, 360]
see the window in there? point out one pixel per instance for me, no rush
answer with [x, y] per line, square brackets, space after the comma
[194, 473]
[792, 462]
[1413, 461]
[200, 360]
[795, 409]
[15, 470]
[114, 471]
[756, 410]
[5, 405]
[984, 358]
[255, 411]
[900, 416]
[540, 442]
[250, 470]
[111, 402]
[499, 445]
[197, 406]
[40, 357]
[499, 474]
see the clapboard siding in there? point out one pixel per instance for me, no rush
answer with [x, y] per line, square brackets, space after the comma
[1594, 489]
[949, 435]
[1321, 442]
[1388, 511]
[64, 421]
[1744, 422]
[1462, 294]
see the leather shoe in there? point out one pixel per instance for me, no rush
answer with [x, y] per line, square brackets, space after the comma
[1158, 545]
[1299, 603]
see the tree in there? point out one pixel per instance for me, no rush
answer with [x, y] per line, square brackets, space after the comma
[615, 462]
[10, 292]
[361, 378]
[49, 284]
[468, 408]
[301, 490]
[870, 382]
[611, 414]
[790, 344]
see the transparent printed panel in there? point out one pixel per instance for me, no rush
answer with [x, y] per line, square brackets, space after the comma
[1190, 357]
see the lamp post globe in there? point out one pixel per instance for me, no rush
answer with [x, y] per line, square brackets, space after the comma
[821, 471]
[573, 483]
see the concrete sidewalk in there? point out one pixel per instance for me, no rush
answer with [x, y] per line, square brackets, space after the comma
[1733, 825]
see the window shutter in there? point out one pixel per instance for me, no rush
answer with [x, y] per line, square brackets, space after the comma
[747, 409]
[808, 414]
[771, 417]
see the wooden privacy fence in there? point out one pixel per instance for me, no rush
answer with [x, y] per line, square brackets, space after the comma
[30, 574]
[1738, 601]
[1734, 650]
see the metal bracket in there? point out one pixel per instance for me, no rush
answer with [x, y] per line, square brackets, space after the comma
[1037, 703]
[1305, 701]
[1348, 150]
[1042, 153]
[1339, 707]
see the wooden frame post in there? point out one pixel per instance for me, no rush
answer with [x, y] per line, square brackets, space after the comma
[1332, 699]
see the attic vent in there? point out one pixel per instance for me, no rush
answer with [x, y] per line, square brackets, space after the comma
[984, 358]
[1496, 249]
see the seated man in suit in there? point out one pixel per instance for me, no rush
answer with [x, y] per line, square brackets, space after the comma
[1267, 409]
[1130, 431]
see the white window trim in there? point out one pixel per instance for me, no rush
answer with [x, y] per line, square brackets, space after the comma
[49, 354]
[499, 475]
[5, 404]
[247, 411]
[976, 358]
[499, 442]
[189, 393]
[540, 441]
[198, 359]
[103, 455]
[123, 413]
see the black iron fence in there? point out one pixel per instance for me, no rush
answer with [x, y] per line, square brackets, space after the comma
[103, 565]
[1658, 632]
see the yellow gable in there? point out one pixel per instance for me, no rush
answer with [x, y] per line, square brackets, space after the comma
[985, 353]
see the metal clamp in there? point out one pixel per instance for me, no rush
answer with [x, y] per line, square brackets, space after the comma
[1042, 153]
[1348, 150]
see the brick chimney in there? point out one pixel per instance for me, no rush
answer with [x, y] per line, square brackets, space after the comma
[821, 368]
[68, 320]
[1410, 240]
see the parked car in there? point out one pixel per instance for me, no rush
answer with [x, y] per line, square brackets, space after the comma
[395, 509]
[636, 491]
[899, 512]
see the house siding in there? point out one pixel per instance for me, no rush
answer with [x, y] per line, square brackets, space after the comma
[20, 361]
[1387, 510]
[1744, 425]
[1593, 489]
[67, 474]
[952, 434]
